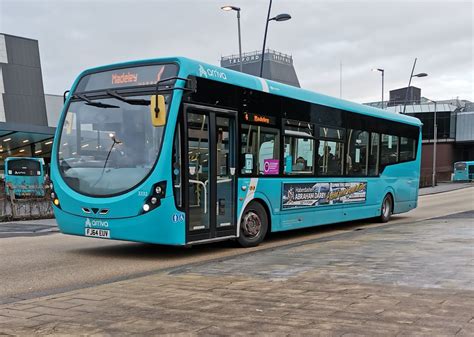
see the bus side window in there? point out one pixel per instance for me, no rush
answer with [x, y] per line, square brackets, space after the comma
[407, 149]
[260, 150]
[389, 149]
[177, 186]
[299, 154]
[356, 157]
[374, 159]
[330, 158]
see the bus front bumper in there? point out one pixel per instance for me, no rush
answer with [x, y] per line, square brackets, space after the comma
[159, 226]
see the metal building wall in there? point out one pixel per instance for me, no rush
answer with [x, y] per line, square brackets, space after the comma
[465, 126]
[23, 96]
[274, 69]
[3, 60]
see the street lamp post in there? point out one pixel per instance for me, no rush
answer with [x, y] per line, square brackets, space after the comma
[435, 141]
[409, 83]
[383, 72]
[279, 17]
[237, 9]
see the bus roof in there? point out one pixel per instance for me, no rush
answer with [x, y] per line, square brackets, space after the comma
[189, 67]
[467, 162]
[27, 158]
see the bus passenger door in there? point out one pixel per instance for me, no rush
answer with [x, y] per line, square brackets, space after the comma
[211, 174]
[225, 175]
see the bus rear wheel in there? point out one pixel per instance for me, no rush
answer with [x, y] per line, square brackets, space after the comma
[386, 210]
[253, 225]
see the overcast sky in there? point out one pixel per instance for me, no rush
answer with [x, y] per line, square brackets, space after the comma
[74, 35]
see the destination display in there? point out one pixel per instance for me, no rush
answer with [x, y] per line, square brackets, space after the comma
[318, 194]
[126, 77]
[256, 118]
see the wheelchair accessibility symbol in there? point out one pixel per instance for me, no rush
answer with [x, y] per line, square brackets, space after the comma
[178, 217]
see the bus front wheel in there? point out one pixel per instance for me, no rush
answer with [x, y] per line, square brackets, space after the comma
[386, 210]
[253, 225]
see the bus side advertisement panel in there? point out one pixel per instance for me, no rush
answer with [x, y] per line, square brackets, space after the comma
[322, 193]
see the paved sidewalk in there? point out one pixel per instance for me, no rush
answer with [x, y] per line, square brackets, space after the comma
[393, 280]
[28, 228]
[444, 187]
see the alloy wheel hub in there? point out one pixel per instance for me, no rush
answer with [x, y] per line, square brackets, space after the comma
[251, 224]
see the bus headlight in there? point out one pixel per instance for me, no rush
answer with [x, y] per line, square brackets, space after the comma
[54, 197]
[158, 192]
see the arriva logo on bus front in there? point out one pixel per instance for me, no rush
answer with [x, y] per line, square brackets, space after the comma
[96, 223]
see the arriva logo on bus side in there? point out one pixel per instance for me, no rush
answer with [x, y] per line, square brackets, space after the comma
[207, 72]
[96, 223]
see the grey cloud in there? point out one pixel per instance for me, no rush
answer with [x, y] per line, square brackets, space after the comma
[77, 34]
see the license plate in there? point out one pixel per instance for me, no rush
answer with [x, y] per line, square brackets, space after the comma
[98, 233]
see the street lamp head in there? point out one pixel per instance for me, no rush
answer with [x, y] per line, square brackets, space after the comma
[281, 17]
[377, 69]
[421, 75]
[230, 8]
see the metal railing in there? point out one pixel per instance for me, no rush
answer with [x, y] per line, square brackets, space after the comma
[25, 202]
[413, 106]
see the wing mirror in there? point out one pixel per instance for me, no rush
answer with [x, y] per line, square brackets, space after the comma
[158, 110]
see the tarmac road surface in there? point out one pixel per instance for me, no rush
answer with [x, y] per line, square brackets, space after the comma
[32, 266]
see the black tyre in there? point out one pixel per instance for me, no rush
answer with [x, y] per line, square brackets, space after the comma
[386, 209]
[253, 225]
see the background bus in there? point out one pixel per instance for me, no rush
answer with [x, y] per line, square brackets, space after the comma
[175, 151]
[463, 171]
[24, 176]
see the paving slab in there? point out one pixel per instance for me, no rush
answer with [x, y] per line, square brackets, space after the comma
[28, 228]
[411, 279]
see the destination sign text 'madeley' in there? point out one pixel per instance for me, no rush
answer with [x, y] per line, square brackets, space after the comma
[259, 118]
[125, 77]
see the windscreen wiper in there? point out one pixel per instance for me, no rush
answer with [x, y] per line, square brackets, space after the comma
[115, 141]
[96, 104]
[132, 101]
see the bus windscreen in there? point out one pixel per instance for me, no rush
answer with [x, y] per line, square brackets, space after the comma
[24, 167]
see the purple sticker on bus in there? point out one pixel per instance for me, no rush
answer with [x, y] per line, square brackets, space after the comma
[271, 166]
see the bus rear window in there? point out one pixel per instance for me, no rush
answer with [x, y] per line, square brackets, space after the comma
[460, 166]
[23, 167]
